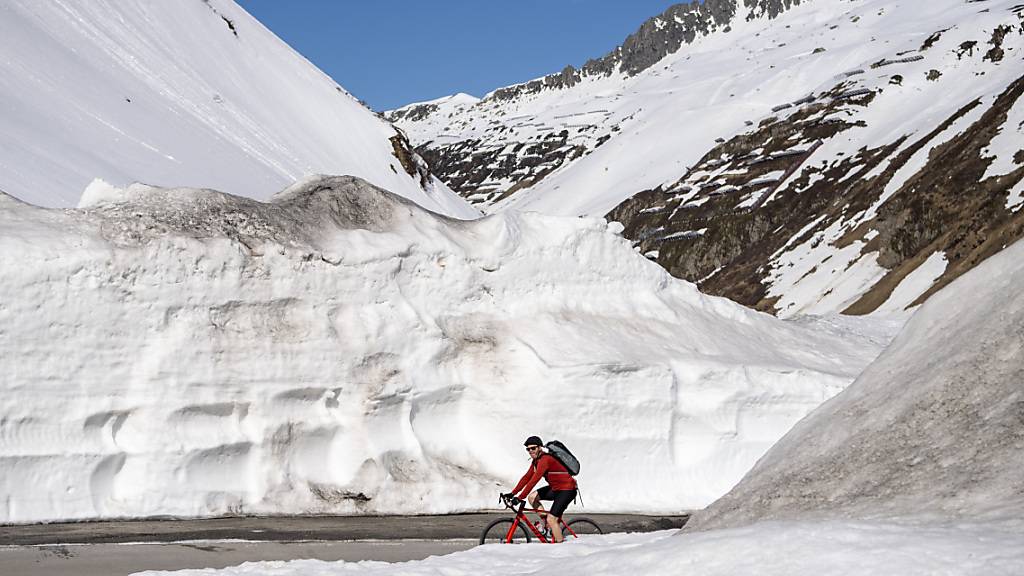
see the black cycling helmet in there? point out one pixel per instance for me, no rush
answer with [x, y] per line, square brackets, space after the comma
[533, 441]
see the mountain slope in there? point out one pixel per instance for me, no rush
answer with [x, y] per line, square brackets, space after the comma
[871, 193]
[779, 158]
[186, 93]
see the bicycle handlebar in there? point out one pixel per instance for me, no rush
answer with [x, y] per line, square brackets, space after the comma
[511, 501]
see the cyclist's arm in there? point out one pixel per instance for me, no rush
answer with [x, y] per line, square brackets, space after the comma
[523, 480]
[538, 473]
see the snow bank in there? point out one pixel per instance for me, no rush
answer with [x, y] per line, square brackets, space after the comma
[934, 425]
[196, 93]
[340, 350]
[770, 549]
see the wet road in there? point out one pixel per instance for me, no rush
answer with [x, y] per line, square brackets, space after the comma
[124, 559]
[121, 548]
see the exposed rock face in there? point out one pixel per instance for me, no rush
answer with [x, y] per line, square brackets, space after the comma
[477, 172]
[414, 165]
[412, 113]
[947, 205]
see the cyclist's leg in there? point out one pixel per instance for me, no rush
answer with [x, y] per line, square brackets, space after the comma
[556, 530]
[545, 493]
[534, 500]
[562, 499]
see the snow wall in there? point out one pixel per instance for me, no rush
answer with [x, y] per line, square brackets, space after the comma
[340, 350]
[935, 425]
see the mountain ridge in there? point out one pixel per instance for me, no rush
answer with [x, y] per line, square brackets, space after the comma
[721, 159]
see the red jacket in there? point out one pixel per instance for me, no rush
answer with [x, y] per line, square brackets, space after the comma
[549, 468]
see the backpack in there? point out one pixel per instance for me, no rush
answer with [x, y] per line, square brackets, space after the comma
[563, 455]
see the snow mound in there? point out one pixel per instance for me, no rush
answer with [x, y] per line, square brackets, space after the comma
[933, 426]
[338, 349]
[298, 215]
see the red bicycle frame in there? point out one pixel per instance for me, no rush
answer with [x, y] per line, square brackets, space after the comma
[521, 517]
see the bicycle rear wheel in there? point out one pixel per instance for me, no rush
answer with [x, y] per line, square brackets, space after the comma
[584, 526]
[497, 531]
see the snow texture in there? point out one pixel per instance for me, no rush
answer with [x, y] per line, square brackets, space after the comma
[187, 352]
[904, 548]
[912, 470]
[191, 93]
[933, 426]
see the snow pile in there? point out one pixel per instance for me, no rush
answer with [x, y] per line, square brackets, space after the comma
[196, 93]
[933, 426]
[769, 549]
[338, 349]
[931, 429]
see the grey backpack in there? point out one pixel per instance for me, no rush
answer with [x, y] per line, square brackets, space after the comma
[563, 455]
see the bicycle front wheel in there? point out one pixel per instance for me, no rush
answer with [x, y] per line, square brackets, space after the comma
[584, 526]
[497, 532]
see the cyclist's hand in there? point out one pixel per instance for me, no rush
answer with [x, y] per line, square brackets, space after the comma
[514, 502]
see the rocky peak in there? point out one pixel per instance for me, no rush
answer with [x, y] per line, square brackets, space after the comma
[656, 38]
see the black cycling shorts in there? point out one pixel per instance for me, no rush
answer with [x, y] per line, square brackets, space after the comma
[561, 499]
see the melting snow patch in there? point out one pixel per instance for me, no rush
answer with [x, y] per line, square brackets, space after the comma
[1015, 199]
[815, 276]
[769, 178]
[915, 284]
[686, 234]
[1006, 143]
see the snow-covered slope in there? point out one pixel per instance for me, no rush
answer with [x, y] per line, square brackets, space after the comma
[193, 93]
[338, 349]
[433, 110]
[933, 426]
[801, 159]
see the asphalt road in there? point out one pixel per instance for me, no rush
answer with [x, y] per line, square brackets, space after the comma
[121, 559]
[121, 548]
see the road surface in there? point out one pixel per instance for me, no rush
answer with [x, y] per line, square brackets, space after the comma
[121, 548]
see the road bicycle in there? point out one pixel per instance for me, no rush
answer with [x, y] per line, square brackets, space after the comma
[519, 528]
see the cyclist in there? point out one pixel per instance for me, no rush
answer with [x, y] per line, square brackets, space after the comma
[561, 488]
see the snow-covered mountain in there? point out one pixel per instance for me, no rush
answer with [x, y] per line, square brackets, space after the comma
[820, 156]
[339, 349]
[189, 93]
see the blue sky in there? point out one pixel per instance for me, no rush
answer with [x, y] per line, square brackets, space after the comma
[393, 52]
